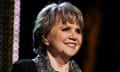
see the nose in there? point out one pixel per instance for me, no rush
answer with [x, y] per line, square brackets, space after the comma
[73, 36]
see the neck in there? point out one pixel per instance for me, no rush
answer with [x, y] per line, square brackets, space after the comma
[59, 62]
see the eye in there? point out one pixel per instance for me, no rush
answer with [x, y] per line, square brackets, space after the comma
[65, 29]
[79, 31]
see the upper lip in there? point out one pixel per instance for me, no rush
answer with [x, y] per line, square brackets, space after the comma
[71, 43]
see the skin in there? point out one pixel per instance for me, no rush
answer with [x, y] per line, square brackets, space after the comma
[63, 42]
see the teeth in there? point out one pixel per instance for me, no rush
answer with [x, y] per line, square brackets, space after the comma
[71, 44]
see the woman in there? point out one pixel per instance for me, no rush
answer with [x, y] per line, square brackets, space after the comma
[57, 38]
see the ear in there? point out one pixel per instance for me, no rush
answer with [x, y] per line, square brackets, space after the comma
[45, 40]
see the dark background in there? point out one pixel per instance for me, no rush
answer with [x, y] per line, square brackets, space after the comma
[108, 52]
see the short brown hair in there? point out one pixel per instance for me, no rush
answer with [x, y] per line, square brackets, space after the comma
[46, 19]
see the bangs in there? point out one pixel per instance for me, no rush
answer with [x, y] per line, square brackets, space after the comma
[70, 18]
[68, 15]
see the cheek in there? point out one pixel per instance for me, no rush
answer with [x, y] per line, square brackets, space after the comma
[80, 39]
[56, 37]
[60, 35]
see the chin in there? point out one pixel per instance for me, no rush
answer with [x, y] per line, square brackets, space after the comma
[70, 54]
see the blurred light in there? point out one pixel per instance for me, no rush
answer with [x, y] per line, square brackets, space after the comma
[16, 30]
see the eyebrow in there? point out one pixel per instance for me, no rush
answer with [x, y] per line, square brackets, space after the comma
[63, 25]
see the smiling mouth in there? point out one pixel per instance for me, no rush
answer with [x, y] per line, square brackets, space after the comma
[71, 45]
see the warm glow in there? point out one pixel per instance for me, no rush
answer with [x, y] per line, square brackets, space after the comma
[16, 30]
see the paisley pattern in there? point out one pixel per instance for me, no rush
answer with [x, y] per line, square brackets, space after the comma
[43, 64]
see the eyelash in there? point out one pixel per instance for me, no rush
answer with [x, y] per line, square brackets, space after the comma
[65, 29]
[77, 30]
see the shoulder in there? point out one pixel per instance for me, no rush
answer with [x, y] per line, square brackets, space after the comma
[74, 66]
[24, 65]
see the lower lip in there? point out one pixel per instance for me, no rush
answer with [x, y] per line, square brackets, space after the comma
[73, 47]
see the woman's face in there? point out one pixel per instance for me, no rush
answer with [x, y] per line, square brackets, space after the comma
[64, 39]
